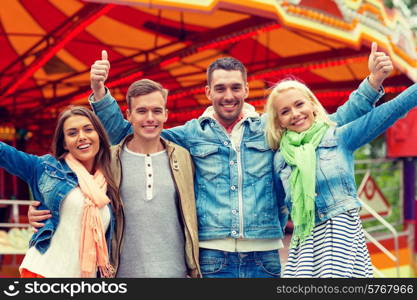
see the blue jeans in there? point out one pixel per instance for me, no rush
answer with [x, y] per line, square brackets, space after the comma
[222, 264]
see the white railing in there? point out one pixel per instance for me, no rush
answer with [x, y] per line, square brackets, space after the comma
[394, 258]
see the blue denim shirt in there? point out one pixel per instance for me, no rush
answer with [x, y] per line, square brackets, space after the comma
[335, 181]
[237, 194]
[50, 181]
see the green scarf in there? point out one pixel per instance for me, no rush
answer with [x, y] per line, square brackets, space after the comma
[299, 151]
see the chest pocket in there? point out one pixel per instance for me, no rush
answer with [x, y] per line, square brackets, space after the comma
[327, 166]
[207, 160]
[326, 162]
[327, 150]
[258, 159]
[326, 154]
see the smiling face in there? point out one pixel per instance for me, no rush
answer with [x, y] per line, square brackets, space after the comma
[81, 140]
[148, 115]
[295, 111]
[227, 92]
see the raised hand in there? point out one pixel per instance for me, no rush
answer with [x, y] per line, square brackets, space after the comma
[98, 75]
[380, 66]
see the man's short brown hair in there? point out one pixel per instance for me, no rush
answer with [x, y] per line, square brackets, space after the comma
[144, 87]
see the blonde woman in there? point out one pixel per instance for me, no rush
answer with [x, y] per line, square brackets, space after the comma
[316, 166]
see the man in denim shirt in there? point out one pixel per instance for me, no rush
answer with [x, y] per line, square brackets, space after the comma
[240, 206]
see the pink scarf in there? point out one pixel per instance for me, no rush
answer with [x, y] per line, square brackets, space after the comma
[93, 248]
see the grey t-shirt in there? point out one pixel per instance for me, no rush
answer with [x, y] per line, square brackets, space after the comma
[153, 243]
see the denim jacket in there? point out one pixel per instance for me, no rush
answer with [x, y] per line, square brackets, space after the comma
[50, 181]
[237, 195]
[335, 181]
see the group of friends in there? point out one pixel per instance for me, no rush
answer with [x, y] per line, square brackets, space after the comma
[210, 198]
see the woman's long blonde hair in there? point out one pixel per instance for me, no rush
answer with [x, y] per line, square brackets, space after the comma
[273, 130]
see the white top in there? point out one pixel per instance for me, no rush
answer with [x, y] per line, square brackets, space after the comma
[62, 257]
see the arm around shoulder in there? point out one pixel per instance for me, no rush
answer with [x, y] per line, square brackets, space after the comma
[110, 115]
[181, 134]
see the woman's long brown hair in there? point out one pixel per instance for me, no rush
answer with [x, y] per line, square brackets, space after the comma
[103, 156]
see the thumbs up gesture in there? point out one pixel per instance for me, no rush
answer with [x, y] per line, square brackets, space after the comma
[98, 75]
[380, 66]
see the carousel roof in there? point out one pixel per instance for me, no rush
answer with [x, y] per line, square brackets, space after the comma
[48, 46]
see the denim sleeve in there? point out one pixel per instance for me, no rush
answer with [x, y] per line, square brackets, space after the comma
[359, 103]
[110, 115]
[374, 123]
[178, 135]
[18, 163]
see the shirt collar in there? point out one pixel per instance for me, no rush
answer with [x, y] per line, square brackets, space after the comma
[248, 111]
